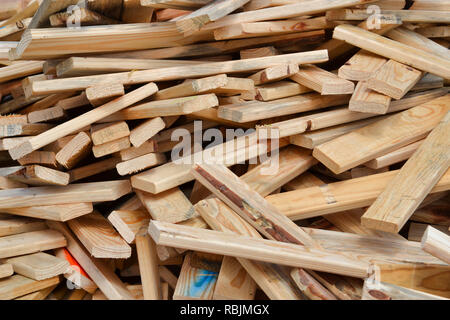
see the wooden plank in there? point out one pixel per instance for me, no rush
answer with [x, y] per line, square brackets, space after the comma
[79, 122]
[49, 114]
[368, 101]
[38, 295]
[74, 151]
[395, 156]
[73, 102]
[386, 291]
[110, 147]
[257, 110]
[234, 86]
[29, 129]
[20, 69]
[436, 243]
[274, 73]
[434, 32]
[404, 15]
[170, 206]
[416, 121]
[101, 94]
[99, 237]
[93, 169]
[30, 242]
[245, 247]
[46, 9]
[148, 146]
[108, 282]
[148, 265]
[75, 193]
[249, 204]
[322, 81]
[18, 285]
[128, 222]
[146, 130]
[133, 11]
[6, 270]
[430, 5]
[140, 163]
[36, 175]
[38, 266]
[174, 73]
[390, 211]
[394, 79]
[103, 133]
[361, 66]
[10, 225]
[276, 90]
[400, 52]
[417, 230]
[194, 283]
[61, 212]
[259, 52]
[338, 196]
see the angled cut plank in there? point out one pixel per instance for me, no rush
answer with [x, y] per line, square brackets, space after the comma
[30, 242]
[414, 181]
[408, 55]
[170, 206]
[36, 175]
[18, 285]
[38, 266]
[436, 243]
[140, 163]
[102, 93]
[45, 115]
[46, 158]
[277, 90]
[81, 121]
[10, 225]
[6, 270]
[322, 81]
[12, 130]
[338, 196]
[249, 204]
[99, 237]
[346, 152]
[102, 275]
[128, 222]
[361, 66]
[110, 147]
[74, 151]
[21, 69]
[103, 133]
[368, 101]
[146, 130]
[93, 169]
[394, 79]
[75, 193]
[395, 156]
[275, 73]
[257, 249]
[194, 283]
[58, 212]
[148, 265]
[148, 146]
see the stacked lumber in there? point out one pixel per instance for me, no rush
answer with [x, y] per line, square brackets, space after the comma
[224, 150]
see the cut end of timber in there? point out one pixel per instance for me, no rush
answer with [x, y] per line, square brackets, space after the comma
[21, 150]
[327, 161]
[192, 25]
[138, 183]
[379, 225]
[153, 231]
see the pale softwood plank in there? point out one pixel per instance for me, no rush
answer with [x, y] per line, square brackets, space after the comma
[368, 101]
[395, 156]
[275, 73]
[436, 243]
[6, 270]
[276, 90]
[74, 193]
[386, 291]
[408, 55]
[417, 230]
[74, 151]
[103, 133]
[434, 32]
[146, 130]
[102, 93]
[406, 127]
[11, 130]
[140, 163]
[330, 118]
[169, 14]
[322, 81]
[404, 15]
[259, 52]
[20, 69]
[108, 282]
[110, 147]
[93, 169]
[83, 16]
[148, 265]
[147, 147]
[175, 73]
[250, 248]
[38, 266]
[416, 178]
[38, 295]
[99, 237]
[394, 79]
[49, 114]
[81, 121]
[194, 283]
[170, 206]
[30, 242]
[134, 11]
[128, 222]
[430, 5]
[338, 196]
[249, 204]
[75, 273]
[10, 224]
[73, 102]
[36, 175]
[18, 285]
[308, 284]
[234, 86]
[61, 212]
[361, 66]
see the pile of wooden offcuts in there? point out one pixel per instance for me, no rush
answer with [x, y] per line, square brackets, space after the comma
[354, 97]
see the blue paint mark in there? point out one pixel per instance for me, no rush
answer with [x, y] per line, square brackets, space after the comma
[203, 281]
